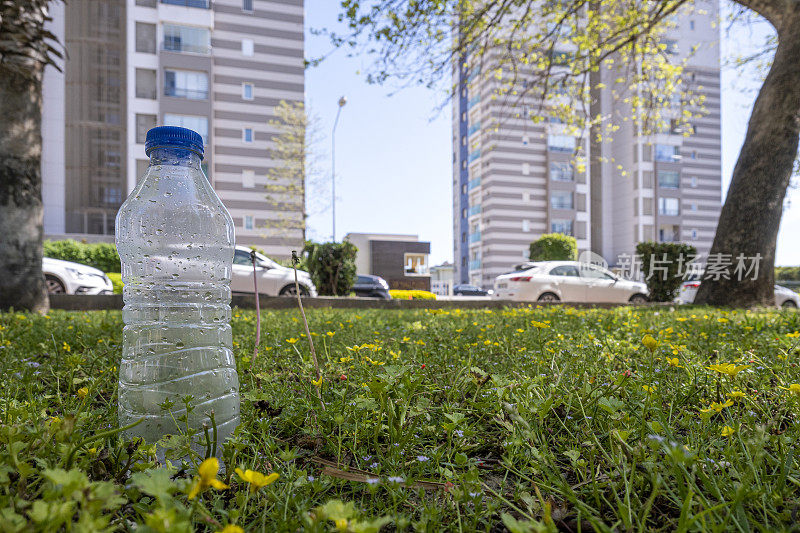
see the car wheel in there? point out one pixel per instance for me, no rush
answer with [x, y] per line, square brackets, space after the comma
[789, 304]
[638, 299]
[54, 285]
[549, 297]
[290, 290]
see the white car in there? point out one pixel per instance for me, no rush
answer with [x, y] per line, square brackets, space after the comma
[273, 279]
[567, 281]
[784, 297]
[66, 277]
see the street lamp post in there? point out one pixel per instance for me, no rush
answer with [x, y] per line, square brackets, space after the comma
[342, 102]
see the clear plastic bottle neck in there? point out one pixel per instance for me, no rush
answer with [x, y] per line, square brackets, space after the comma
[175, 157]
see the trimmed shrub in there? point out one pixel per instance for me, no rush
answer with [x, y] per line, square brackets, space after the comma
[332, 266]
[116, 281]
[787, 273]
[554, 247]
[102, 255]
[412, 295]
[664, 267]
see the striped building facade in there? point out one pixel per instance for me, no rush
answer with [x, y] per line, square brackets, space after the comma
[216, 66]
[513, 181]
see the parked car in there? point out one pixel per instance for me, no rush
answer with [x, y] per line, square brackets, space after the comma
[469, 290]
[784, 297]
[66, 277]
[567, 281]
[273, 279]
[369, 286]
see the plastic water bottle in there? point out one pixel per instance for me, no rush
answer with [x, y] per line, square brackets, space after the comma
[176, 243]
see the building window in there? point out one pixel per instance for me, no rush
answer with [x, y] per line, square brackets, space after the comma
[415, 264]
[464, 213]
[146, 83]
[145, 38]
[192, 122]
[187, 39]
[526, 169]
[693, 181]
[248, 179]
[464, 189]
[561, 200]
[144, 123]
[667, 153]
[248, 222]
[187, 84]
[561, 143]
[203, 4]
[247, 135]
[693, 207]
[526, 226]
[691, 25]
[146, 3]
[248, 47]
[247, 6]
[694, 234]
[669, 179]
[562, 172]
[669, 207]
[247, 91]
[141, 168]
[561, 226]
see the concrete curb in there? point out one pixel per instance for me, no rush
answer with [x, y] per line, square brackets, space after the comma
[73, 302]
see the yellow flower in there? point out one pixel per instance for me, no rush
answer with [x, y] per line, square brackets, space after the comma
[717, 407]
[649, 389]
[256, 479]
[376, 363]
[317, 383]
[539, 325]
[794, 335]
[729, 369]
[345, 359]
[330, 333]
[737, 395]
[292, 340]
[674, 361]
[727, 431]
[341, 524]
[207, 477]
[66, 347]
[83, 392]
[649, 342]
[231, 528]
[794, 388]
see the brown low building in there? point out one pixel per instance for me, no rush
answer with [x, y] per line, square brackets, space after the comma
[402, 260]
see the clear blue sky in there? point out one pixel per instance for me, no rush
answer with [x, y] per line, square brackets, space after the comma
[394, 153]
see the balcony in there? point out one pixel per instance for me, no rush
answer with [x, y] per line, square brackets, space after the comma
[475, 127]
[474, 183]
[474, 237]
[203, 4]
[189, 94]
[475, 100]
[474, 155]
[474, 210]
[475, 264]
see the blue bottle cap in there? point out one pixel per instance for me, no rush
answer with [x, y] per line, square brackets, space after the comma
[173, 137]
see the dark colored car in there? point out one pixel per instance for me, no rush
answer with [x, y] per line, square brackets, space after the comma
[469, 290]
[367, 286]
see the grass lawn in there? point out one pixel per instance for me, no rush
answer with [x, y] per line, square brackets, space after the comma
[520, 420]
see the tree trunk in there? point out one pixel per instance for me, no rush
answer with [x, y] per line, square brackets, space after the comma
[22, 284]
[751, 216]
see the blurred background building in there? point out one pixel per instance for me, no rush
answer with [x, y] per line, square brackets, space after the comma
[218, 67]
[513, 179]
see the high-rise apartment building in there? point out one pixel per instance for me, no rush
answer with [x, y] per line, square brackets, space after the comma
[218, 67]
[514, 179]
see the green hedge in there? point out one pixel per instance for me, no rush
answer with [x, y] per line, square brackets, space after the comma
[554, 247]
[412, 295]
[332, 266]
[668, 271]
[102, 255]
[787, 273]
